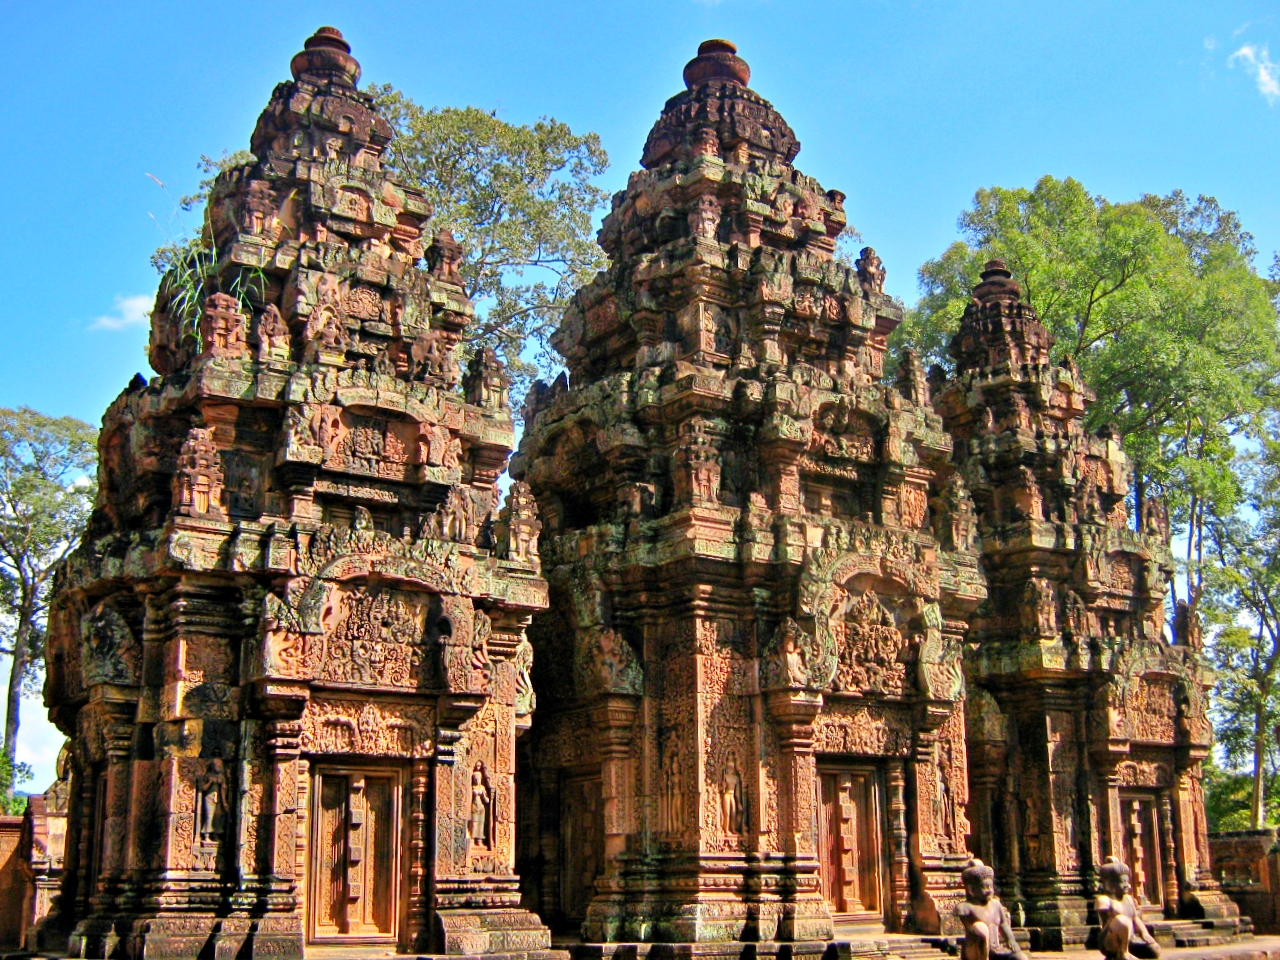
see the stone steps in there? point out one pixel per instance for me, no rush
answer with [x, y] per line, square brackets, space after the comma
[1198, 933]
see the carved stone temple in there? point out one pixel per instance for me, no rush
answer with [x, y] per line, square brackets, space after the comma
[291, 653]
[804, 638]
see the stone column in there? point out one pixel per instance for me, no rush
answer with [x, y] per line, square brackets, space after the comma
[805, 915]
[117, 741]
[1169, 857]
[104, 823]
[614, 718]
[418, 934]
[900, 870]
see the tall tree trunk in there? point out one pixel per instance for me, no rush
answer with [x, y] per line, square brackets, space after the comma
[21, 654]
[1139, 496]
[1256, 812]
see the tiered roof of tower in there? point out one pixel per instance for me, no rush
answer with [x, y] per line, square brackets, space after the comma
[723, 304]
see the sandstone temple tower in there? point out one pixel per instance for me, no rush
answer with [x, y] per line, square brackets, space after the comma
[1086, 728]
[749, 610]
[290, 653]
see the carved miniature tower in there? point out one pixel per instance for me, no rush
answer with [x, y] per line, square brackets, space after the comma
[290, 653]
[760, 564]
[1086, 727]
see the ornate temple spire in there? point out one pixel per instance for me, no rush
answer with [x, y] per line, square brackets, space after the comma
[998, 327]
[719, 113]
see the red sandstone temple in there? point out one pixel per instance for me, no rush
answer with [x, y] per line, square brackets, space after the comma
[802, 638]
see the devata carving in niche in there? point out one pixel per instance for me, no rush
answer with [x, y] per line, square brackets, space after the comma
[209, 804]
[732, 807]
[672, 818]
[481, 797]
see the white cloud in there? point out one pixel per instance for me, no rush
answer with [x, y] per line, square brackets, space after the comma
[1211, 43]
[38, 744]
[1257, 60]
[132, 311]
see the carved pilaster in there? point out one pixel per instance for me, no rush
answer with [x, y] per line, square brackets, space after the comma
[805, 915]
[613, 718]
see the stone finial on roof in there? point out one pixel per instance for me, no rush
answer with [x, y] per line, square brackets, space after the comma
[997, 284]
[326, 56]
[716, 60]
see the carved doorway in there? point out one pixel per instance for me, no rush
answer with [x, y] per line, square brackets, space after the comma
[1139, 813]
[355, 861]
[581, 845]
[852, 846]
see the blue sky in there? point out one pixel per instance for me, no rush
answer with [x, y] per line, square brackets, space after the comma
[908, 107]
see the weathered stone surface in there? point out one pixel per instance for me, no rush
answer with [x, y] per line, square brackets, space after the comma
[815, 636]
[809, 637]
[290, 652]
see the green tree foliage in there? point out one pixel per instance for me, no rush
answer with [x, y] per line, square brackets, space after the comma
[1157, 302]
[520, 200]
[46, 493]
[1243, 581]
[1228, 795]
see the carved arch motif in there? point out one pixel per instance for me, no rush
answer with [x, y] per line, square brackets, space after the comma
[874, 615]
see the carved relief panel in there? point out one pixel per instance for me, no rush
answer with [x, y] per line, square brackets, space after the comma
[372, 636]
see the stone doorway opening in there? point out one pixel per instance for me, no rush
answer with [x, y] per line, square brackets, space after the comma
[1141, 848]
[357, 855]
[852, 845]
[581, 846]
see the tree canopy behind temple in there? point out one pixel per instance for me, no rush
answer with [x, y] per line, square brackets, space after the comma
[1157, 302]
[520, 201]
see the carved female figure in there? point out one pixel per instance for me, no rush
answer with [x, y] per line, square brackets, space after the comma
[478, 828]
[731, 806]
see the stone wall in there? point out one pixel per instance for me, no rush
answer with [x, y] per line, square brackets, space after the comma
[14, 885]
[1247, 864]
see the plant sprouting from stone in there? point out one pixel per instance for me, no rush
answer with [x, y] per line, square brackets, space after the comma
[187, 261]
